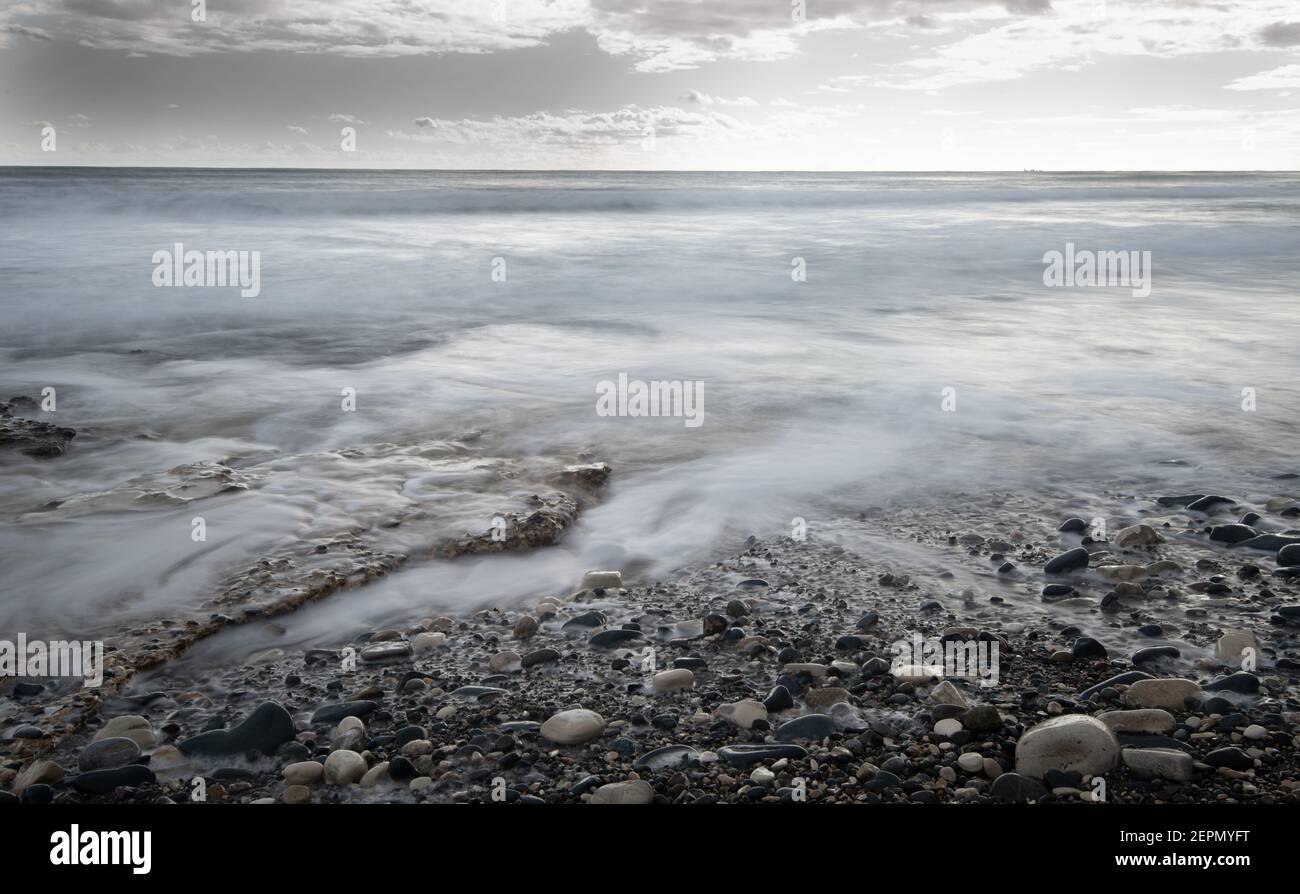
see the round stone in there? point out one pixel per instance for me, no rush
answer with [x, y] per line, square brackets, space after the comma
[949, 727]
[573, 727]
[344, 767]
[971, 762]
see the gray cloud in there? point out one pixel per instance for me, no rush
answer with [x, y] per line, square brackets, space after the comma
[1281, 34]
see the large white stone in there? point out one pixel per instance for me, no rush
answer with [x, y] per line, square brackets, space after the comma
[672, 680]
[344, 767]
[1073, 742]
[573, 727]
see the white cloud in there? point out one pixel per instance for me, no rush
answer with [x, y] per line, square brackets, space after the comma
[1076, 34]
[572, 128]
[1284, 78]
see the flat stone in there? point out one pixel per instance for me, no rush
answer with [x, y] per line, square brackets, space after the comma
[821, 699]
[584, 621]
[477, 692]
[1240, 682]
[632, 791]
[1155, 653]
[810, 726]
[673, 680]
[304, 773]
[539, 657]
[106, 754]
[387, 652]
[665, 757]
[296, 794]
[334, 712]
[609, 639]
[1232, 533]
[602, 580]
[1122, 572]
[1073, 742]
[746, 755]
[1139, 720]
[427, 642]
[743, 713]
[504, 662]
[1070, 560]
[1160, 763]
[1170, 693]
[1013, 788]
[573, 727]
[1233, 758]
[102, 782]
[131, 726]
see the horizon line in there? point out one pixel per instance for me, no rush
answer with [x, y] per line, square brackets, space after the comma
[111, 167]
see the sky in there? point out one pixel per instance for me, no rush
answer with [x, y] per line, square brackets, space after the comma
[639, 84]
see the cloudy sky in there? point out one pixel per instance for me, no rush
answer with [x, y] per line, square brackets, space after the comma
[654, 84]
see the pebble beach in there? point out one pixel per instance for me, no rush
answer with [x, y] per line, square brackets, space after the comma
[1159, 663]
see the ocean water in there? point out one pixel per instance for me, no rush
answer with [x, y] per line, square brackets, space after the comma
[822, 397]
